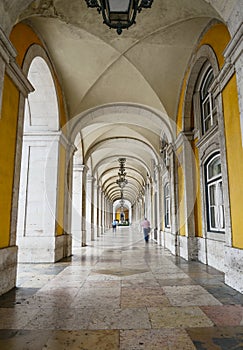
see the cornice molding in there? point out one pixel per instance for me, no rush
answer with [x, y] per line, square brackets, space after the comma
[232, 53]
[8, 55]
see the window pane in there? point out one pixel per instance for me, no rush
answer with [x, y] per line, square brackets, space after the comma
[207, 124]
[215, 200]
[221, 217]
[206, 109]
[212, 217]
[206, 83]
[212, 190]
[207, 102]
[220, 193]
[214, 168]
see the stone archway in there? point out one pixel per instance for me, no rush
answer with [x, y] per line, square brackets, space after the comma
[37, 206]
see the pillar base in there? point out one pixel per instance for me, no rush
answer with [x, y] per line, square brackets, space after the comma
[8, 268]
[234, 268]
[168, 240]
[44, 249]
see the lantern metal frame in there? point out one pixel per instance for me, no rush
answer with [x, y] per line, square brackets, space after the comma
[119, 19]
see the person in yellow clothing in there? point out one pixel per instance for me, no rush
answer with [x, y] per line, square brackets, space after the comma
[146, 229]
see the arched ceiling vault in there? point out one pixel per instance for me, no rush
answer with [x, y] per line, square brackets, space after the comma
[132, 186]
[162, 34]
[121, 92]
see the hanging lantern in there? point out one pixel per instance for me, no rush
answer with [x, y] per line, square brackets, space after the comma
[119, 14]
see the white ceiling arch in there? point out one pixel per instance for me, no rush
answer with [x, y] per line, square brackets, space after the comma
[123, 113]
[126, 143]
[130, 147]
[122, 130]
[121, 92]
[106, 173]
[130, 172]
[136, 180]
[114, 160]
[133, 186]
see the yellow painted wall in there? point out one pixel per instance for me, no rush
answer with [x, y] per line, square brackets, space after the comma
[234, 152]
[218, 38]
[61, 191]
[8, 130]
[22, 37]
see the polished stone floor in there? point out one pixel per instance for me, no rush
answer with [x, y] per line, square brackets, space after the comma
[121, 293]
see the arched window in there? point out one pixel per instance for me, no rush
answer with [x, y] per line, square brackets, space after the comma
[214, 194]
[208, 111]
[167, 204]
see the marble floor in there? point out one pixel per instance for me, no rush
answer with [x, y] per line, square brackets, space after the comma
[121, 293]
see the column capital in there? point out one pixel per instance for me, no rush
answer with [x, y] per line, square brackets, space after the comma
[91, 178]
[80, 167]
[184, 136]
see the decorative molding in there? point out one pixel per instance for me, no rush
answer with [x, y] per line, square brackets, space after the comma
[222, 79]
[182, 137]
[208, 135]
[19, 79]
[7, 51]
[232, 53]
[234, 49]
[8, 54]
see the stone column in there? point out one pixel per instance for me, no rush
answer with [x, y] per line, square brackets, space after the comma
[157, 204]
[188, 246]
[102, 208]
[77, 204]
[84, 199]
[99, 210]
[90, 208]
[107, 212]
[110, 216]
[71, 149]
[66, 247]
[38, 196]
[173, 198]
[146, 204]
[95, 209]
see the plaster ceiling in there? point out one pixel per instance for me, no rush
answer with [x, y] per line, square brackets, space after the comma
[144, 66]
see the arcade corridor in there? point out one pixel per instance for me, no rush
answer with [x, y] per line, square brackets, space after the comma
[120, 293]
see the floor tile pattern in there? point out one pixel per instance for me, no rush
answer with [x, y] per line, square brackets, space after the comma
[120, 293]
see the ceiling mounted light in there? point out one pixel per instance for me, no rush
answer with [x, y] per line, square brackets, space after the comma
[122, 181]
[119, 14]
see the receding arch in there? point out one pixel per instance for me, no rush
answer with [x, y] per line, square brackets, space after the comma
[121, 113]
[108, 142]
